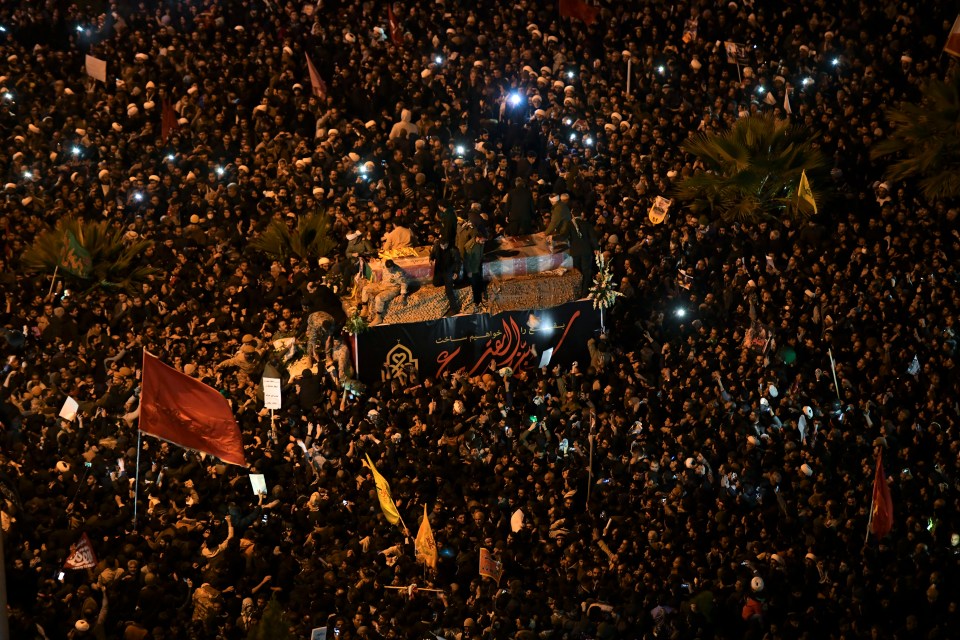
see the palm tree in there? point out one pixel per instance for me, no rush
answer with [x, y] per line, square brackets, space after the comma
[310, 239]
[925, 141]
[110, 257]
[752, 171]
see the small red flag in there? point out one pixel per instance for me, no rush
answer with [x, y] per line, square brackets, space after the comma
[319, 86]
[579, 10]
[953, 39]
[81, 555]
[881, 515]
[168, 121]
[394, 26]
[188, 413]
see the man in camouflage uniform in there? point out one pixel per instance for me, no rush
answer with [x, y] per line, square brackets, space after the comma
[246, 364]
[319, 327]
[379, 294]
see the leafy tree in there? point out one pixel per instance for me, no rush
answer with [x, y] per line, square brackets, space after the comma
[924, 143]
[752, 171]
[309, 240]
[114, 260]
[273, 625]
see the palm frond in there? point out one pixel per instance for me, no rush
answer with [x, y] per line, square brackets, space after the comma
[112, 258]
[309, 240]
[924, 142]
[753, 167]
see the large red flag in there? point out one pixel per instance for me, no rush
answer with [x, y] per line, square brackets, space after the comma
[953, 39]
[394, 26]
[316, 82]
[186, 412]
[580, 10]
[168, 121]
[881, 515]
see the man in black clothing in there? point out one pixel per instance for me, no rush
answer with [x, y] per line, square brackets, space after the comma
[520, 209]
[583, 241]
[446, 270]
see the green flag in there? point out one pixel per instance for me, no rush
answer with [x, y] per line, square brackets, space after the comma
[75, 258]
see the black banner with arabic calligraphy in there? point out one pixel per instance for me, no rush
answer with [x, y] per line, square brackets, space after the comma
[515, 339]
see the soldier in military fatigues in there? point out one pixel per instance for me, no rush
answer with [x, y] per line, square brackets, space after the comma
[380, 294]
[319, 327]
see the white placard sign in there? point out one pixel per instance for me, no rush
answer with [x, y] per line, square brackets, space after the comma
[271, 393]
[545, 358]
[69, 409]
[259, 484]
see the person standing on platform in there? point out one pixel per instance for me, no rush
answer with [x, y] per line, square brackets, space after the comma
[521, 211]
[584, 243]
[559, 217]
[448, 224]
[473, 268]
[446, 271]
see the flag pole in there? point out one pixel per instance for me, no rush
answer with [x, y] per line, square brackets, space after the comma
[629, 68]
[833, 368]
[590, 465]
[136, 481]
[4, 622]
[873, 500]
[53, 280]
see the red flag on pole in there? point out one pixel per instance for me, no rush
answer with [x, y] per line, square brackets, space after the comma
[188, 413]
[953, 39]
[881, 511]
[394, 26]
[319, 86]
[81, 555]
[580, 10]
[168, 121]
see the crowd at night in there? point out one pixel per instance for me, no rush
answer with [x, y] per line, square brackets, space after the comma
[732, 468]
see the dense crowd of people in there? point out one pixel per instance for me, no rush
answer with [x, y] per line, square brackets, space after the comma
[706, 474]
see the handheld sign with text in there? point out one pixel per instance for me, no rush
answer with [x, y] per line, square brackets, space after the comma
[271, 393]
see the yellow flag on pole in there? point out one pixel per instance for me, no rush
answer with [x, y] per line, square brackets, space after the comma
[805, 192]
[425, 546]
[383, 492]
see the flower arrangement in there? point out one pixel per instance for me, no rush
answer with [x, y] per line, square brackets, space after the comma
[603, 292]
[356, 324]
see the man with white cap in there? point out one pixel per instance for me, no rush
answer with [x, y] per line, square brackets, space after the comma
[83, 628]
[560, 217]
[805, 424]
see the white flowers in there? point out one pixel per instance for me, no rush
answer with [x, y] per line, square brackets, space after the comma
[603, 292]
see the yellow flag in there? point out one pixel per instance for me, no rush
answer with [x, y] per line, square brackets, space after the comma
[383, 492]
[804, 191]
[425, 546]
